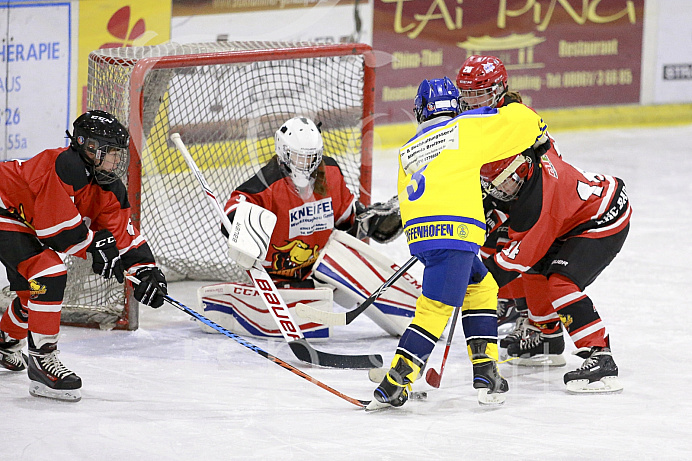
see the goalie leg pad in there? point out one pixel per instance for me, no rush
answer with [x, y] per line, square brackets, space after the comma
[357, 270]
[238, 308]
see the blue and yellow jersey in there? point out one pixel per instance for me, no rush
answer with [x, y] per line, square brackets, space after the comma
[439, 174]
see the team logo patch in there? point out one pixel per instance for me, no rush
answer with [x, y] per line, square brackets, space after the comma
[291, 258]
[462, 231]
[18, 213]
[36, 289]
[566, 320]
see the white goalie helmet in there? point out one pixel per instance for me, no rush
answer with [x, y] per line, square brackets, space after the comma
[298, 144]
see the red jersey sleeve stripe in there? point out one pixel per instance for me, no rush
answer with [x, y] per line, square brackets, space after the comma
[81, 246]
[49, 231]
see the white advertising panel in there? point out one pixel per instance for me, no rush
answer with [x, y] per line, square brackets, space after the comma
[325, 22]
[35, 61]
[673, 83]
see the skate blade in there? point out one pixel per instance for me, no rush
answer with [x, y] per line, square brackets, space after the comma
[541, 360]
[607, 385]
[484, 398]
[376, 405]
[65, 395]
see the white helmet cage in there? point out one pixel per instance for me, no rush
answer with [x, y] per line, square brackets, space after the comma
[508, 183]
[299, 146]
[475, 98]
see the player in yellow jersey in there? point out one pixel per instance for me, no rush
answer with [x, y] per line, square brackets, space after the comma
[444, 223]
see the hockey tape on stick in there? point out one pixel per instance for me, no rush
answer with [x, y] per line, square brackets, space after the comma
[344, 318]
[271, 298]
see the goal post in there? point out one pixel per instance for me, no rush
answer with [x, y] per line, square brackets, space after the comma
[226, 100]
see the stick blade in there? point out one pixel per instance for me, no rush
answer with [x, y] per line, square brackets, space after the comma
[433, 378]
[306, 353]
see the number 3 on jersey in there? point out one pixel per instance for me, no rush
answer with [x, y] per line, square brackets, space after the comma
[414, 193]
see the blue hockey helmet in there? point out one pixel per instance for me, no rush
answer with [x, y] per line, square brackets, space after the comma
[438, 96]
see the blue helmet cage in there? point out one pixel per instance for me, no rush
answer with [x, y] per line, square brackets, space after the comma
[436, 97]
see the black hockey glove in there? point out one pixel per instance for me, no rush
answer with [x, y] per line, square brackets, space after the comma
[106, 257]
[152, 286]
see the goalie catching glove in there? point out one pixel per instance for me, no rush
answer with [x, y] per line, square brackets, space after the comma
[151, 287]
[381, 221]
[106, 257]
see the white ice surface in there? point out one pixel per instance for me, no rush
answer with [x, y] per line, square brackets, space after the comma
[168, 391]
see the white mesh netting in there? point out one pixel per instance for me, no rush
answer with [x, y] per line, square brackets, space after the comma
[226, 99]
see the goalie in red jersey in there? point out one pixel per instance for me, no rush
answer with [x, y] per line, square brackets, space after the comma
[310, 252]
[72, 201]
[552, 229]
[307, 192]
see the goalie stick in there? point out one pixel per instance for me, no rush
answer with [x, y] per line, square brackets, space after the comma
[344, 318]
[240, 340]
[272, 299]
[432, 377]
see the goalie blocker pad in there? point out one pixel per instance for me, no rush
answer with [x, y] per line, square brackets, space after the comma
[248, 239]
[239, 308]
[357, 270]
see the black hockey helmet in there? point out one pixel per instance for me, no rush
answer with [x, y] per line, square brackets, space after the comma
[103, 143]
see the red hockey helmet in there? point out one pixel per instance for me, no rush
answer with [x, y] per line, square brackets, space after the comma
[503, 179]
[482, 81]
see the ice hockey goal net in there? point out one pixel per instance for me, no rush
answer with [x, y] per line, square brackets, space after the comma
[226, 99]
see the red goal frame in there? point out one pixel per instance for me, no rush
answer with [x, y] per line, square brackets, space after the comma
[130, 318]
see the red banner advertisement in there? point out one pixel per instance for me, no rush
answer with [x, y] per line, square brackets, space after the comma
[558, 53]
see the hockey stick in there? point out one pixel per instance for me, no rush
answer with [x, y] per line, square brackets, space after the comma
[344, 318]
[432, 377]
[240, 340]
[272, 299]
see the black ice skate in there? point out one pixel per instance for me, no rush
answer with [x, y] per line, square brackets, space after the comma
[11, 356]
[598, 373]
[535, 348]
[508, 311]
[48, 376]
[394, 388]
[486, 377]
[513, 336]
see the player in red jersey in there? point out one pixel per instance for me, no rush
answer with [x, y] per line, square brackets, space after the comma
[483, 81]
[308, 194]
[563, 227]
[72, 201]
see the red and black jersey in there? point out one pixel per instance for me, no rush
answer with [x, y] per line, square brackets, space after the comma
[54, 196]
[303, 225]
[556, 203]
